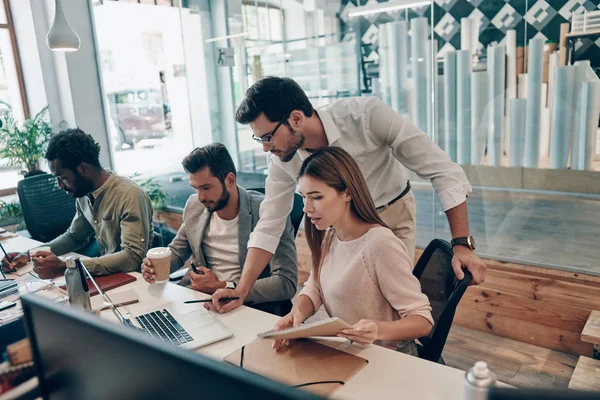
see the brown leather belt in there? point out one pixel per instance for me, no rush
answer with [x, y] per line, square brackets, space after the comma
[401, 195]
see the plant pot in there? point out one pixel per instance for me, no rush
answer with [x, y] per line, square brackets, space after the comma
[11, 221]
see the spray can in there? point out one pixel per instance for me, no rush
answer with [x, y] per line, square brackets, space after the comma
[478, 381]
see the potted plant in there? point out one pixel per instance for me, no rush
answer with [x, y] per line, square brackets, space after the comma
[24, 146]
[156, 193]
[10, 213]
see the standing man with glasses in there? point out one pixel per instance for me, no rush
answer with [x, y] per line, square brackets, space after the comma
[380, 140]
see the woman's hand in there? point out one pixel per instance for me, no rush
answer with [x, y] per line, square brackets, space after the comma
[364, 332]
[293, 319]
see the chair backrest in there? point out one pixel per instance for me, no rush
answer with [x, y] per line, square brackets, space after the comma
[47, 209]
[444, 290]
[297, 209]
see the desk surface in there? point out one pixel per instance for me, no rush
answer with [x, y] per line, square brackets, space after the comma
[388, 373]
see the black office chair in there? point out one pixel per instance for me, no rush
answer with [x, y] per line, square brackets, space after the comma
[439, 283]
[47, 209]
[297, 209]
[163, 234]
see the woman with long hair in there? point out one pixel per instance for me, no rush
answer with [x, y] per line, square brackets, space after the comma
[361, 271]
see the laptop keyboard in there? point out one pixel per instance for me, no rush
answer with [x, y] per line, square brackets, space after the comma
[161, 324]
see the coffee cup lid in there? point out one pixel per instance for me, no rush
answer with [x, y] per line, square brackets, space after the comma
[159, 252]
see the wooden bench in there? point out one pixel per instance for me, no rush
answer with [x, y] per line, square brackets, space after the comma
[591, 332]
[586, 375]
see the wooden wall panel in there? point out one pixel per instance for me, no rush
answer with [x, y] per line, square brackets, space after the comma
[556, 315]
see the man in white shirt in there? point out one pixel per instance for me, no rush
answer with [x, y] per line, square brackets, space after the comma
[217, 223]
[380, 140]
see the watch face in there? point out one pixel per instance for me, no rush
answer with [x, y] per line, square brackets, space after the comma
[471, 242]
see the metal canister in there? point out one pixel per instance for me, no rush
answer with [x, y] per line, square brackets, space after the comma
[77, 287]
[478, 381]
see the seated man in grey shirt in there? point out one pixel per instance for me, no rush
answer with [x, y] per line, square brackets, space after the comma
[114, 210]
[217, 222]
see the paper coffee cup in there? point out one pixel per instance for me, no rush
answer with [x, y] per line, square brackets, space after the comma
[161, 262]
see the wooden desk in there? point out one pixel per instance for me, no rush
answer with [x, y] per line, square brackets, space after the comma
[388, 374]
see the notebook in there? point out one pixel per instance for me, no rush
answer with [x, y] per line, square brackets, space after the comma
[108, 282]
[326, 327]
[306, 364]
[119, 299]
[7, 235]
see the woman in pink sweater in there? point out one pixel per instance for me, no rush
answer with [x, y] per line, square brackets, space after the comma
[361, 271]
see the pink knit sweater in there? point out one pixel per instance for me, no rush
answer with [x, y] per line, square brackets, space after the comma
[368, 278]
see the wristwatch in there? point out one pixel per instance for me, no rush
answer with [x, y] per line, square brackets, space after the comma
[230, 285]
[468, 241]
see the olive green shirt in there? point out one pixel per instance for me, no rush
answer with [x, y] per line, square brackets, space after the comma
[120, 218]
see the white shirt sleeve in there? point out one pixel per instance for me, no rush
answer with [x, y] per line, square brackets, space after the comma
[415, 150]
[274, 209]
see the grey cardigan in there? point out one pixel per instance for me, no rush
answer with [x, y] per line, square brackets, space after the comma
[277, 282]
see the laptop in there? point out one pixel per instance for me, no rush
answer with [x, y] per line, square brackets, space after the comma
[188, 326]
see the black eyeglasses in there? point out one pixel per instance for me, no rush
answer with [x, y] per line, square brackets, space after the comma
[267, 138]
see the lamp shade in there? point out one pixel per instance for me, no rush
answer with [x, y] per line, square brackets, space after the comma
[61, 36]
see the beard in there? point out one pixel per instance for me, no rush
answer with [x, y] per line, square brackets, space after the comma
[220, 203]
[81, 186]
[295, 142]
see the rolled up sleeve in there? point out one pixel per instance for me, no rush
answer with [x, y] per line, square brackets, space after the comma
[274, 209]
[415, 150]
[311, 290]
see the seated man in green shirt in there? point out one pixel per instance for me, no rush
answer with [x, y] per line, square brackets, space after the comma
[114, 210]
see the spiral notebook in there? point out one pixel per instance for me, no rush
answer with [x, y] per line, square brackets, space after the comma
[306, 364]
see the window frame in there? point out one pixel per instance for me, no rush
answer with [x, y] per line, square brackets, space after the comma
[16, 57]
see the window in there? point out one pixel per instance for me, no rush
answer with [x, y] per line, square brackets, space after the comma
[12, 88]
[147, 67]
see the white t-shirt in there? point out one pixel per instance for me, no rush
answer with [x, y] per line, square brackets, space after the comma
[220, 248]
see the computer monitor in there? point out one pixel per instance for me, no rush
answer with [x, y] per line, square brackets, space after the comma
[79, 356]
[537, 394]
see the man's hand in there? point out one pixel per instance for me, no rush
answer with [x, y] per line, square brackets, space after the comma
[205, 281]
[364, 332]
[226, 306]
[147, 271]
[47, 265]
[18, 260]
[465, 257]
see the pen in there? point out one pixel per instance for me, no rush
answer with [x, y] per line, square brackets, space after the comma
[210, 300]
[194, 267]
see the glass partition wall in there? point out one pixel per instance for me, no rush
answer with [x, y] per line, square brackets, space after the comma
[494, 86]
[505, 87]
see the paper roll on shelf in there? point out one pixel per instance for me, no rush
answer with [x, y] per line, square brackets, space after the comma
[419, 34]
[562, 116]
[450, 104]
[586, 126]
[466, 33]
[385, 79]
[534, 102]
[401, 64]
[463, 107]
[517, 109]
[479, 109]
[511, 79]
[496, 70]
[429, 57]
[441, 126]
